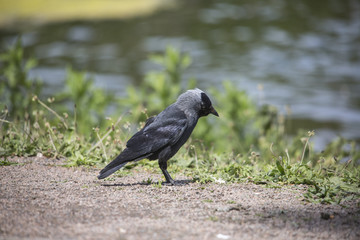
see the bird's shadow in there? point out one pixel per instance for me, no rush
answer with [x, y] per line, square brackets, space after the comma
[177, 183]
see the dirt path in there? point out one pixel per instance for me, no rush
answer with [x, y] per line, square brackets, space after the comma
[41, 199]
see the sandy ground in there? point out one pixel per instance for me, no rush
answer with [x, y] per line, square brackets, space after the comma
[40, 199]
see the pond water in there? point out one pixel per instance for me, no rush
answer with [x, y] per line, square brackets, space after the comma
[304, 54]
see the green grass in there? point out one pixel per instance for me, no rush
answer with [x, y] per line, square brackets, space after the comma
[6, 162]
[246, 144]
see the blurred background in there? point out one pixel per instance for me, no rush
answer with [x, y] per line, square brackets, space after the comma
[301, 56]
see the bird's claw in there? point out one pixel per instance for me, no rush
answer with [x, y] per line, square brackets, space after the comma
[169, 183]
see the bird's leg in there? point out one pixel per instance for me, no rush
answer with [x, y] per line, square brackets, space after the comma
[163, 167]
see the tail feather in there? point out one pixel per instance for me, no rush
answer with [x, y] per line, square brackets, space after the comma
[107, 172]
[120, 161]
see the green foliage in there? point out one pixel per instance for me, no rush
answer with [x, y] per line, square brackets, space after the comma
[16, 89]
[160, 88]
[246, 144]
[90, 103]
[6, 162]
[242, 127]
[334, 184]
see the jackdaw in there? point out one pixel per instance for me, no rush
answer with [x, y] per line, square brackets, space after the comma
[164, 134]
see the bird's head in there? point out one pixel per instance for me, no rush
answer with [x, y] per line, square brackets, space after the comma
[195, 101]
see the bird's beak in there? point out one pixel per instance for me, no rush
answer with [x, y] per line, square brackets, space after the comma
[213, 111]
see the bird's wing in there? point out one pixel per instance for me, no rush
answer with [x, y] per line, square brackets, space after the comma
[164, 130]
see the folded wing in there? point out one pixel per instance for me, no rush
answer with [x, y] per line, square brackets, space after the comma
[159, 132]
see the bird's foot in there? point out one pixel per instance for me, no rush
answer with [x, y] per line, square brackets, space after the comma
[169, 183]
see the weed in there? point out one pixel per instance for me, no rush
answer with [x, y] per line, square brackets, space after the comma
[6, 162]
[148, 181]
[213, 218]
[157, 185]
[16, 89]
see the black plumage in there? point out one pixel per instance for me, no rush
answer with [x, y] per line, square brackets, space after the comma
[164, 134]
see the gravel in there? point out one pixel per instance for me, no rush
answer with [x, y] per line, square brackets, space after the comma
[41, 199]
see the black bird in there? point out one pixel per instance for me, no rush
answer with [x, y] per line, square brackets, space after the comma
[164, 134]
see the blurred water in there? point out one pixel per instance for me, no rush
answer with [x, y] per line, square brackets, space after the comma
[305, 54]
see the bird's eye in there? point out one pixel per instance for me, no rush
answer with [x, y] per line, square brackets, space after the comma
[205, 101]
